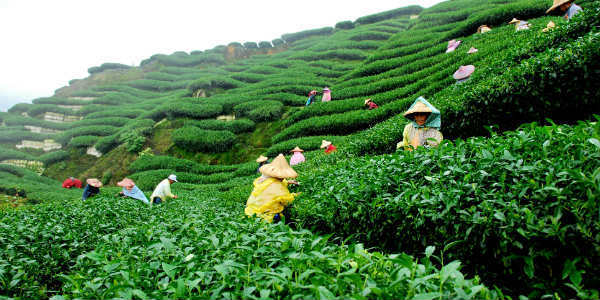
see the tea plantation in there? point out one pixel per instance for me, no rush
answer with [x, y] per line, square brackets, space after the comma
[507, 207]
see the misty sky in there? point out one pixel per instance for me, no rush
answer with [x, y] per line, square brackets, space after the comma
[47, 43]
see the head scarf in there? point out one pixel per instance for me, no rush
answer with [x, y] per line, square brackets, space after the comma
[433, 121]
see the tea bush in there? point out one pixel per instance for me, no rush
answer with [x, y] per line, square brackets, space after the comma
[264, 109]
[117, 112]
[83, 141]
[235, 126]
[57, 101]
[16, 136]
[394, 13]
[97, 130]
[305, 143]
[107, 66]
[344, 25]
[292, 37]
[196, 139]
[520, 206]
[154, 162]
[54, 157]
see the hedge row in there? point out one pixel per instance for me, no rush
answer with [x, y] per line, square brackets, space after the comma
[83, 141]
[158, 85]
[127, 89]
[111, 121]
[58, 101]
[214, 82]
[116, 112]
[186, 60]
[235, 126]
[95, 130]
[390, 14]
[16, 136]
[259, 110]
[292, 37]
[154, 162]
[116, 98]
[196, 139]
[54, 157]
[305, 143]
[132, 135]
[7, 153]
[107, 66]
[17, 120]
[147, 180]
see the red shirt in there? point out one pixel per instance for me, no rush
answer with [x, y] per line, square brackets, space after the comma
[372, 105]
[68, 183]
[330, 149]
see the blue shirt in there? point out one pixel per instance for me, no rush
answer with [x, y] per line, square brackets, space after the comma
[573, 10]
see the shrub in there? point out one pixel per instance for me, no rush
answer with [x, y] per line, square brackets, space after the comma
[107, 66]
[154, 162]
[404, 11]
[235, 45]
[306, 143]
[189, 110]
[265, 45]
[259, 110]
[38, 109]
[20, 108]
[83, 141]
[54, 157]
[107, 143]
[57, 101]
[6, 153]
[118, 112]
[344, 25]
[292, 37]
[97, 130]
[250, 45]
[278, 42]
[196, 139]
[16, 136]
[235, 126]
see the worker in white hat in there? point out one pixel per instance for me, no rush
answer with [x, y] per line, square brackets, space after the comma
[163, 190]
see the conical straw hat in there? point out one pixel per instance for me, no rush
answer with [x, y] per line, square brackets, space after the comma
[126, 183]
[367, 101]
[278, 168]
[472, 50]
[549, 26]
[94, 182]
[261, 159]
[464, 72]
[514, 20]
[297, 149]
[419, 107]
[556, 4]
[483, 29]
[325, 144]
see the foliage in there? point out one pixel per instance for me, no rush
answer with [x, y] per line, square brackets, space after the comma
[404, 11]
[107, 66]
[344, 25]
[306, 143]
[53, 157]
[154, 162]
[250, 45]
[265, 45]
[235, 126]
[83, 141]
[278, 42]
[196, 139]
[259, 110]
[519, 206]
[292, 37]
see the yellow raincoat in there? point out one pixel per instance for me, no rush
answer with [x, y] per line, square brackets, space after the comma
[268, 198]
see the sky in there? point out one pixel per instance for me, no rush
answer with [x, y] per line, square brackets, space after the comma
[47, 43]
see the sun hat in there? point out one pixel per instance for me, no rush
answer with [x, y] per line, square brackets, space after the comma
[94, 182]
[472, 50]
[549, 26]
[172, 177]
[297, 149]
[261, 158]
[325, 144]
[514, 20]
[483, 29]
[326, 89]
[278, 168]
[419, 107]
[463, 72]
[126, 183]
[452, 45]
[556, 4]
[367, 101]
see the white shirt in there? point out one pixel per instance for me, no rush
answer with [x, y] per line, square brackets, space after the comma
[162, 190]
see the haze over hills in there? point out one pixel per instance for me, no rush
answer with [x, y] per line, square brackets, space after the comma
[515, 202]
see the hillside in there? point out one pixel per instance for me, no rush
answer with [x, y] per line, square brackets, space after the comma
[509, 204]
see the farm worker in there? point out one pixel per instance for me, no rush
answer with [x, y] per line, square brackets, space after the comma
[131, 190]
[297, 157]
[452, 45]
[311, 97]
[472, 50]
[270, 194]
[483, 29]
[71, 182]
[370, 104]
[261, 160]
[519, 25]
[463, 73]
[424, 126]
[91, 189]
[163, 190]
[329, 148]
[549, 26]
[567, 7]
[326, 95]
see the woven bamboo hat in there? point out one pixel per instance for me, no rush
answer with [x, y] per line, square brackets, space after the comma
[483, 29]
[325, 144]
[463, 72]
[94, 182]
[126, 183]
[278, 168]
[261, 158]
[297, 149]
[514, 21]
[472, 50]
[556, 4]
[367, 101]
[419, 107]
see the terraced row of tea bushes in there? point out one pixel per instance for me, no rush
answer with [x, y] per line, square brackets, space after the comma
[305, 143]
[16, 136]
[112, 121]
[523, 206]
[165, 76]
[116, 98]
[130, 113]
[176, 60]
[8, 153]
[158, 85]
[286, 98]
[53, 157]
[153, 162]
[96, 130]
[343, 54]
[127, 89]
[293, 37]
[215, 241]
[214, 82]
[147, 180]
[184, 109]
[35, 188]
[58, 101]
[38, 109]
[259, 110]
[107, 66]
[235, 126]
[196, 139]
[83, 141]
[390, 14]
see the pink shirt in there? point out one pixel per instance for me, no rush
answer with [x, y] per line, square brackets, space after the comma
[297, 158]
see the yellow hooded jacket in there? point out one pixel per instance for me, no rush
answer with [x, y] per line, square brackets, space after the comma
[268, 198]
